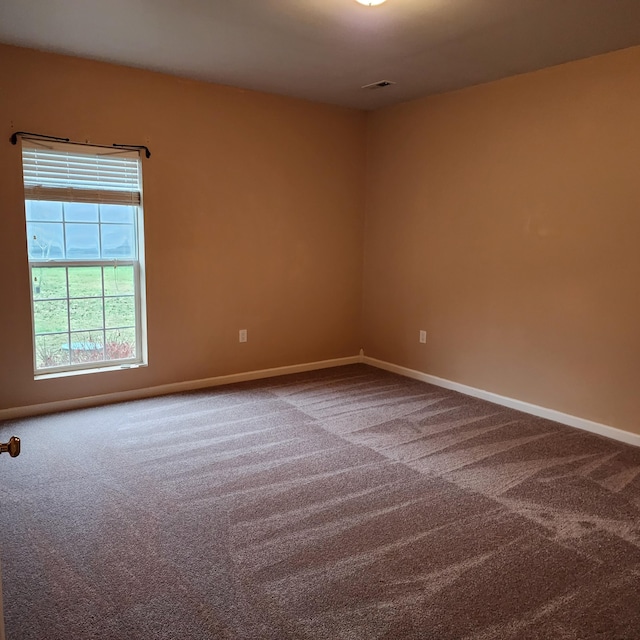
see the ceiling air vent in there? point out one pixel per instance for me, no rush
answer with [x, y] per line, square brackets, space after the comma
[381, 84]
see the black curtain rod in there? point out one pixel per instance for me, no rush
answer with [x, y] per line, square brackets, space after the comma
[40, 136]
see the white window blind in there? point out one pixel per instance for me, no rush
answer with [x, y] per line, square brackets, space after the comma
[81, 174]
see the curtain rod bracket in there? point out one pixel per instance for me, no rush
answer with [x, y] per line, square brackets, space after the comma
[147, 153]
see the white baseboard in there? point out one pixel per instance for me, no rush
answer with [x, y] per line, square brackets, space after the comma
[192, 385]
[176, 387]
[512, 403]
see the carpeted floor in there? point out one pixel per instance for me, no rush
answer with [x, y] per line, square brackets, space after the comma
[343, 504]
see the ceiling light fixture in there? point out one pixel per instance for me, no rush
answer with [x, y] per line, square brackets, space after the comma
[371, 3]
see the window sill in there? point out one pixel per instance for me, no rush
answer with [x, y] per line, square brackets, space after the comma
[82, 372]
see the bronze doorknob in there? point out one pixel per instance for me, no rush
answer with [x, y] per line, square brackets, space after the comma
[12, 447]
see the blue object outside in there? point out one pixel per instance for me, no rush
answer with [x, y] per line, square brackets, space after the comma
[82, 346]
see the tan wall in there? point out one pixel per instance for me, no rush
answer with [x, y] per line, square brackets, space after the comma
[505, 220]
[254, 213]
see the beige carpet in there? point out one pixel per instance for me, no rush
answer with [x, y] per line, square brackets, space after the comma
[343, 504]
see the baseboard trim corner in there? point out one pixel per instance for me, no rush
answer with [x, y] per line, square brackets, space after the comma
[26, 411]
[526, 407]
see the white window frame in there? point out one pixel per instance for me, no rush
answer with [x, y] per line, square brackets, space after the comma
[139, 296]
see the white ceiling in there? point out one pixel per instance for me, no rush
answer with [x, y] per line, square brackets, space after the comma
[325, 50]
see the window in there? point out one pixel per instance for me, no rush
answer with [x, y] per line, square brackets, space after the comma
[83, 210]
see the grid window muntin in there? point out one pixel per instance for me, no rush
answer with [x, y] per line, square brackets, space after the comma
[90, 344]
[70, 346]
[50, 236]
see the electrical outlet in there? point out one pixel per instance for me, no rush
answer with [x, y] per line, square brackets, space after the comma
[423, 336]
[242, 335]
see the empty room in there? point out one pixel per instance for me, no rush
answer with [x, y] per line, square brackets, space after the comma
[319, 320]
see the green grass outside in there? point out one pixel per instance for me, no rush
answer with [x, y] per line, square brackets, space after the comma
[84, 315]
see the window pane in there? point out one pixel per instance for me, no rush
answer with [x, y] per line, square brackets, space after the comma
[83, 241]
[49, 282]
[121, 344]
[50, 316]
[117, 213]
[120, 312]
[49, 351]
[119, 280]
[86, 346]
[80, 212]
[86, 314]
[42, 211]
[45, 240]
[85, 282]
[118, 241]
